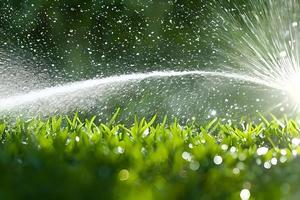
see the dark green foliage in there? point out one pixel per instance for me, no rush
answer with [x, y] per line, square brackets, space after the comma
[63, 158]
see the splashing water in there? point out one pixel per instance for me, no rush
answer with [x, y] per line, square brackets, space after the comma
[40, 95]
[260, 46]
[265, 43]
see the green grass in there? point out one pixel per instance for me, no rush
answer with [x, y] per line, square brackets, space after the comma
[62, 158]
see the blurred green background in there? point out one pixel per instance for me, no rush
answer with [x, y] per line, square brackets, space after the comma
[83, 38]
[69, 40]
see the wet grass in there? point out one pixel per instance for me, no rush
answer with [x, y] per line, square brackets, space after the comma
[72, 158]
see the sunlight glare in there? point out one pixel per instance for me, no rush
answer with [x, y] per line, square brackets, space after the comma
[293, 88]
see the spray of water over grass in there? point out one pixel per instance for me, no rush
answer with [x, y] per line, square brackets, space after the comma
[14, 102]
[264, 42]
[67, 158]
[260, 45]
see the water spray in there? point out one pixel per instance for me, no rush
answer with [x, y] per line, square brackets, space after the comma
[40, 95]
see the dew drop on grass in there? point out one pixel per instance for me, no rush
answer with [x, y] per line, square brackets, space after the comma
[233, 149]
[262, 151]
[241, 166]
[294, 152]
[258, 161]
[120, 150]
[296, 142]
[274, 161]
[218, 160]
[267, 165]
[194, 165]
[236, 171]
[245, 194]
[68, 141]
[242, 156]
[186, 156]
[283, 152]
[224, 147]
[146, 132]
[283, 159]
[124, 175]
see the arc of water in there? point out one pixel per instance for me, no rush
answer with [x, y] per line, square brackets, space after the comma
[30, 97]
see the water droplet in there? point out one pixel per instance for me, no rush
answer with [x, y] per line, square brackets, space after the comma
[194, 165]
[295, 142]
[224, 147]
[124, 175]
[274, 161]
[218, 160]
[294, 24]
[146, 132]
[267, 165]
[262, 151]
[236, 171]
[233, 149]
[120, 150]
[245, 194]
[283, 159]
[186, 156]
[213, 112]
[294, 152]
[258, 161]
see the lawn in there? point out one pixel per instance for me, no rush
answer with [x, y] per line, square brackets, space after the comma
[71, 158]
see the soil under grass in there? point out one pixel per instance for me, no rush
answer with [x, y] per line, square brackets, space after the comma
[63, 158]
